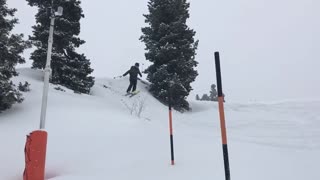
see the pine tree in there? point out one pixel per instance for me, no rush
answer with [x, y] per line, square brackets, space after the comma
[213, 93]
[171, 49]
[69, 68]
[11, 46]
[205, 97]
[197, 97]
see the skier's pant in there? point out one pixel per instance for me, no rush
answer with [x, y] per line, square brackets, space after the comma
[133, 85]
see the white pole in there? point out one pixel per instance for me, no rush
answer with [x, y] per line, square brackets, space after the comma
[47, 72]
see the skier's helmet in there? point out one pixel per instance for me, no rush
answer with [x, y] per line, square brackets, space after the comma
[137, 64]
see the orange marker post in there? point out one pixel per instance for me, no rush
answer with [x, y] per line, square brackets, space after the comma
[36, 145]
[222, 117]
[171, 129]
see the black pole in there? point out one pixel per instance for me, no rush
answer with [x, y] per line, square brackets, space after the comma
[171, 128]
[222, 117]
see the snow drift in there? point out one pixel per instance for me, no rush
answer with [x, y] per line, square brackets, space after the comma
[104, 136]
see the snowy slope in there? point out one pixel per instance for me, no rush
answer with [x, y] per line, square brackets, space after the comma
[100, 136]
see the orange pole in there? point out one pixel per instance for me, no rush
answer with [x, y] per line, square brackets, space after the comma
[222, 121]
[222, 117]
[170, 122]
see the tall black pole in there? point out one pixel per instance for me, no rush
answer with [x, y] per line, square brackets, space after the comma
[222, 117]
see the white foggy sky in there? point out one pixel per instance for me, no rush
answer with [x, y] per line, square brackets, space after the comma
[270, 49]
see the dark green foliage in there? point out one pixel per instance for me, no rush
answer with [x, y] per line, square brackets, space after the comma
[213, 93]
[205, 97]
[24, 87]
[59, 89]
[197, 97]
[9, 95]
[171, 48]
[69, 68]
[11, 46]
[213, 96]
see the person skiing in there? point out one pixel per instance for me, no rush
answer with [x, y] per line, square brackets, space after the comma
[133, 72]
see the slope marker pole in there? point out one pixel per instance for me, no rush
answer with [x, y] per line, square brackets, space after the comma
[222, 117]
[36, 142]
[171, 129]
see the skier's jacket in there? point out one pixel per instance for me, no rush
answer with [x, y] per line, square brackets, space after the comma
[134, 71]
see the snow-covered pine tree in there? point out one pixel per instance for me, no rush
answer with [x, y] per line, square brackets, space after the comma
[171, 49]
[11, 46]
[69, 68]
[213, 93]
[205, 97]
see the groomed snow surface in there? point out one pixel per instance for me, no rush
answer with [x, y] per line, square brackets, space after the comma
[103, 137]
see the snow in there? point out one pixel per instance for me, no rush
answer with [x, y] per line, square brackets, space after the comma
[98, 136]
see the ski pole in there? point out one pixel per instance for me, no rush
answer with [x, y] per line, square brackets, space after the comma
[117, 77]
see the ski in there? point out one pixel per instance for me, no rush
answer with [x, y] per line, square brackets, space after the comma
[134, 93]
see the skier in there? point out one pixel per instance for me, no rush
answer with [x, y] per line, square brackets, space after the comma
[134, 71]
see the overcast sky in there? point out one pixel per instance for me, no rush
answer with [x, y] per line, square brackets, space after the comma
[270, 49]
